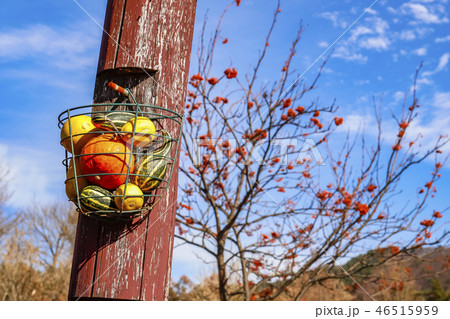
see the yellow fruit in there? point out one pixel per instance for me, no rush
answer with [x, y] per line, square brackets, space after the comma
[80, 126]
[71, 190]
[134, 198]
[143, 132]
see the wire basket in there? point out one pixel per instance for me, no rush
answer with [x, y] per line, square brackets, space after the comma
[156, 157]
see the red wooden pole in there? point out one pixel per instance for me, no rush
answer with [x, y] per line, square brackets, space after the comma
[146, 46]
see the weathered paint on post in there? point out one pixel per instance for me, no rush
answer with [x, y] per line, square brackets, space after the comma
[145, 42]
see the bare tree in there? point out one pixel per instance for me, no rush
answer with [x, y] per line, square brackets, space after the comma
[36, 250]
[53, 228]
[264, 210]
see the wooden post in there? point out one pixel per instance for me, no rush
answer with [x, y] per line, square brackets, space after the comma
[146, 47]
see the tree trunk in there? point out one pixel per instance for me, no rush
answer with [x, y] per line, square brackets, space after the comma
[222, 273]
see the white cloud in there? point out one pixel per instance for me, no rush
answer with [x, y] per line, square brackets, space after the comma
[371, 11]
[362, 82]
[354, 123]
[347, 54]
[423, 80]
[326, 70]
[334, 18]
[371, 35]
[69, 81]
[423, 31]
[427, 1]
[422, 13]
[398, 96]
[372, 32]
[443, 61]
[413, 34]
[62, 48]
[377, 43]
[443, 39]
[323, 44]
[407, 35]
[391, 10]
[378, 24]
[359, 31]
[420, 51]
[374, 25]
[442, 100]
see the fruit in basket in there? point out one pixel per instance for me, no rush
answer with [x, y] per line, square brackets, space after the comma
[111, 121]
[151, 168]
[95, 198]
[82, 131]
[107, 158]
[71, 189]
[134, 198]
[144, 130]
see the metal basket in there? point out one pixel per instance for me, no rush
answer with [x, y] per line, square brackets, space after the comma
[160, 117]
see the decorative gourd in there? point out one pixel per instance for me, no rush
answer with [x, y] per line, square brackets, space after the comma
[112, 121]
[143, 131]
[71, 190]
[82, 128]
[134, 198]
[107, 157]
[151, 169]
[95, 198]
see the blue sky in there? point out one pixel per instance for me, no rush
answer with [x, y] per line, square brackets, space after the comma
[49, 52]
